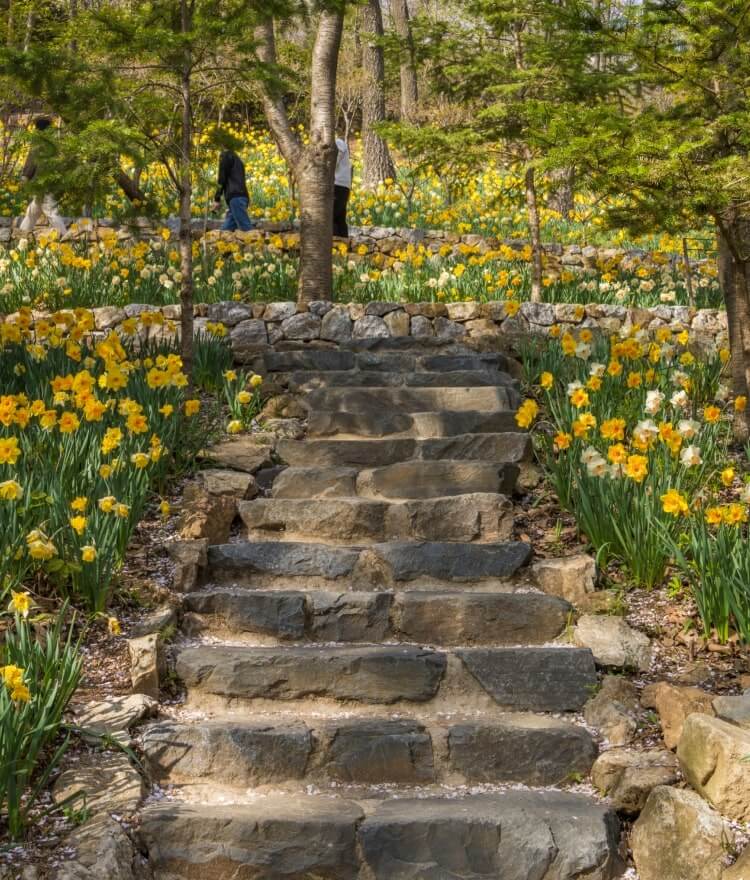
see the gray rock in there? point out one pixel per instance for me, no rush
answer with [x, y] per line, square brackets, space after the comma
[492, 399]
[735, 710]
[381, 309]
[529, 749]
[308, 359]
[242, 753]
[279, 311]
[377, 751]
[247, 337]
[240, 454]
[366, 675]
[421, 326]
[344, 453]
[516, 835]
[336, 519]
[614, 710]
[536, 679]
[294, 837]
[107, 317]
[627, 776]
[479, 618]
[447, 329]
[320, 307]
[155, 621]
[408, 561]
[436, 479]
[397, 323]
[613, 642]
[230, 313]
[106, 781]
[329, 482]
[222, 481]
[570, 577]
[282, 558]
[277, 613]
[324, 424]
[337, 325]
[350, 617]
[302, 326]
[370, 327]
[679, 837]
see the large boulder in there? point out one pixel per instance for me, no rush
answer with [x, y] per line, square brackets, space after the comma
[627, 776]
[679, 837]
[674, 704]
[613, 642]
[714, 758]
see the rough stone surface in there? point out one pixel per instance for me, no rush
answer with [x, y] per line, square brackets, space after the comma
[614, 710]
[228, 752]
[674, 704]
[218, 481]
[115, 716]
[536, 679]
[329, 482]
[370, 327]
[146, 664]
[571, 577]
[714, 758]
[736, 710]
[516, 835]
[246, 337]
[479, 618]
[526, 748]
[287, 558]
[278, 613]
[336, 325]
[435, 479]
[303, 326]
[301, 837]
[678, 837]
[627, 776]
[102, 849]
[240, 454]
[107, 781]
[613, 642]
[740, 870]
[189, 558]
[367, 675]
[205, 515]
[350, 617]
[378, 751]
[446, 561]
[155, 621]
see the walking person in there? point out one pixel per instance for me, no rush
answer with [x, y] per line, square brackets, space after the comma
[342, 189]
[40, 205]
[233, 189]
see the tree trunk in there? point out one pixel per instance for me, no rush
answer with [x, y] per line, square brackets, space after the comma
[186, 203]
[378, 164]
[409, 87]
[130, 187]
[315, 184]
[562, 196]
[734, 277]
[536, 236]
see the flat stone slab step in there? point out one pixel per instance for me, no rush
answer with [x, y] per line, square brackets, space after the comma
[309, 380]
[406, 479]
[507, 447]
[407, 361]
[516, 835]
[477, 517]
[412, 400]
[433, 618]
[526, 749]
[515, 679]
[376, 565]
[424, 425]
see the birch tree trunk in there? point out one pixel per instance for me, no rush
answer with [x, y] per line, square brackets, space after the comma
[532, 210]
[378, 164]
[186, 199]
[408, 71]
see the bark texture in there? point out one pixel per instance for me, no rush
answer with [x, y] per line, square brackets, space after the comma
[313, 164]
[378, 164]
[532, 210]
[408, 67]
[186, 196]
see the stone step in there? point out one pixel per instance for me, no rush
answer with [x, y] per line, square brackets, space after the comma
[536, 679]
[516, 835]
[394, 563]
[409, 361]
[310, 380]
[412, 400]
[482, 517]
[507, 447]
[413, 479]
[517, 748]
[378, 423]
[432, 618]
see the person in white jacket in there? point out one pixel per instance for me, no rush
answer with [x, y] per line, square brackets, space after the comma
[342, 189]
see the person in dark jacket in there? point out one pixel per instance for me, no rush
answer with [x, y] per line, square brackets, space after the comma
[45, 204]
[233, 189]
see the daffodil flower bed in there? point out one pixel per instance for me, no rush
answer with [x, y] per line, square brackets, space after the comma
[634, 436]
[49, 274]
[88, 428]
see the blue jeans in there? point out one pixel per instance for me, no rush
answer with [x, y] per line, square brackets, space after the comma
[237, 216]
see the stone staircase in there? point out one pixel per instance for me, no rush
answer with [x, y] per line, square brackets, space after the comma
[372, 691]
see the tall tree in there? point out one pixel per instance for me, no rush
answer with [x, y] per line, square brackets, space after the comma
[378, 164]
[312, 163]
[408, 66]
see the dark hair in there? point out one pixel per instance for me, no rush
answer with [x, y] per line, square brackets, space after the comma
[42, 123]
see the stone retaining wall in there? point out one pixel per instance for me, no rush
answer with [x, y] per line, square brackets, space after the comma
[250, 325]
[365, 242]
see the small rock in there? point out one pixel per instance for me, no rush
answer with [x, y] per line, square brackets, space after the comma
[206, 516]
[735, 710]
[115, 716]
[103, 850]
[571, 577]
[304, 326]
[627, 777]
[613, 642]
[336, 325]
[714, 758]
[279, 311]
[146, 664]
[421, 326]
[286, 429]
[614, 710]
[241, 454]
[370, 326]
[674, 704]
[398, 323]
[189, 558]
[221, 481]
[678, 837]
[154, 622]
